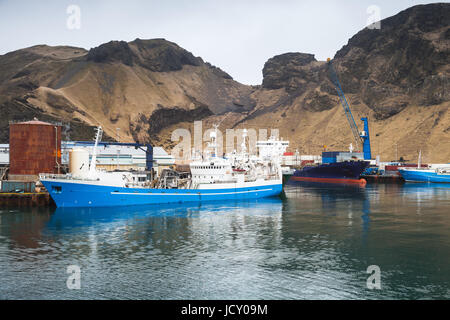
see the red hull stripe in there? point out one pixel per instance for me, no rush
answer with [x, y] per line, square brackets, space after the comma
[331, 180]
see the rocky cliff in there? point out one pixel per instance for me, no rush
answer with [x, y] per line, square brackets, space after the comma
[140, 87]
[397, 75]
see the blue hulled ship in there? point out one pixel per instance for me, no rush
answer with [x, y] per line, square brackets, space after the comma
[440, 175]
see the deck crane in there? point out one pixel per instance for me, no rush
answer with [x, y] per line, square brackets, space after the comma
[361, 138]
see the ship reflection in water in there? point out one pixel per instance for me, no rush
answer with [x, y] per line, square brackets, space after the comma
[314, 243]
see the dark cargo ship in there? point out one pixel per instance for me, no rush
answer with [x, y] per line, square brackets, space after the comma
[332, 171]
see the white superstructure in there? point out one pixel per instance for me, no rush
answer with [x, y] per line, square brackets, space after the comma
[239, 168]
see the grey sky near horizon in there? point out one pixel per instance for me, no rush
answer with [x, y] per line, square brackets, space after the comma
[236, 36]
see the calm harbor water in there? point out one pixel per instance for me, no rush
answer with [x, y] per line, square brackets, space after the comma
[314, 243]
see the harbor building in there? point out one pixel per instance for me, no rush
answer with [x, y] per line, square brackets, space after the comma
[34, 147]
[110, 157]
[120, 156]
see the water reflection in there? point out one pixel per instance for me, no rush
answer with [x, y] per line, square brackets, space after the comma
[316, 243]
[119, 233]
[24, 226]
[71, 218]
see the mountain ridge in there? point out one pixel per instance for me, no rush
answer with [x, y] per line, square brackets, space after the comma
[398, 76]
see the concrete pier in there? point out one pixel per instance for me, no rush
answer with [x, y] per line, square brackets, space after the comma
[35, 199]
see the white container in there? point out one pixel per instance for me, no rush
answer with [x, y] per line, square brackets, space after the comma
[79, 162]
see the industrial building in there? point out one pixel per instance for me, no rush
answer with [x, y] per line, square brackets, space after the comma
[109, 157]
[34, 147]
[120, 156]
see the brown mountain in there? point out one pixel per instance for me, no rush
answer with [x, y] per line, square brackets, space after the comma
[140, 87]
[398, 76]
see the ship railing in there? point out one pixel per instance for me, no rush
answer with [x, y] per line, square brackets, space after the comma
[445, 170]
[273, 176]
[68, 176]
[146, 184]
[55, 176]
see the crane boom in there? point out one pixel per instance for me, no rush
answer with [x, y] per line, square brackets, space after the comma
[363, 138]
[348, 113]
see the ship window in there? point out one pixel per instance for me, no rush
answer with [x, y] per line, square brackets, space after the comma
[56, 189]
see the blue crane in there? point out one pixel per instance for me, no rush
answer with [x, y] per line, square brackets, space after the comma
[361, 138]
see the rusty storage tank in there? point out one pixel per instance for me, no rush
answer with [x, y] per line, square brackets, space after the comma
[35, 147]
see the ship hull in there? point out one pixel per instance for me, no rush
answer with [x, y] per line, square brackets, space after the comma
[73, 194]
[360, 182]
[424, 176]
[347, 172]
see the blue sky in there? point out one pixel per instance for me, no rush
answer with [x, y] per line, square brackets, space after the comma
[235, 35]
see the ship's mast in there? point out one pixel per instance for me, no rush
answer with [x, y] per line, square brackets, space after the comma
[92, 167]
[213, 144]
[419, 161]
[244, 142]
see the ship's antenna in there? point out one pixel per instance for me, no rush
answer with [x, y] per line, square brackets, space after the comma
[98, 138]
[213, 136]
[244, 142]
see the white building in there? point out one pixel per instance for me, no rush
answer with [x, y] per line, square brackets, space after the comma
[4, 154]
[109, 157]
[122, 157]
